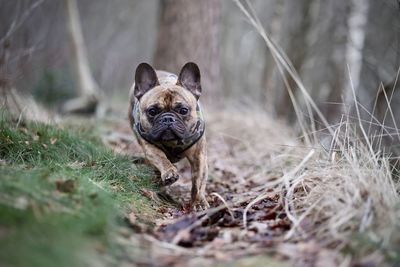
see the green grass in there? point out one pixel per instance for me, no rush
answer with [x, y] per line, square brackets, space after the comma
[63, 195]
[362, 244]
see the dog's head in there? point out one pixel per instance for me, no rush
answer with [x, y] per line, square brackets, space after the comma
[168, 107]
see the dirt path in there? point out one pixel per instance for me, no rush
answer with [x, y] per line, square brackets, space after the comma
[247, 223]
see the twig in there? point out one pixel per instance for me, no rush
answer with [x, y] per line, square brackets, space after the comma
[197, 223]
[226, 204]
[285, 178]
[16, 24]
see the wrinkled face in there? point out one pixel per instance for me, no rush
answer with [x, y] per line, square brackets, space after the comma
[168, 112]
[167, 109]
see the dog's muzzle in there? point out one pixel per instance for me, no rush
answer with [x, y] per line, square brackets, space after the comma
[167, 119]
[167, 126]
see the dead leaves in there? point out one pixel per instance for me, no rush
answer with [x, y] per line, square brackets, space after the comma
[138, 224]
[170, 231]
[238, 175]
[148, 193]
[76, 165]
[65, 186]
[220, 225]
[132, 218]
[53, 140]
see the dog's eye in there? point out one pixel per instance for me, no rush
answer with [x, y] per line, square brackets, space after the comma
[152, 111]
[183, 111]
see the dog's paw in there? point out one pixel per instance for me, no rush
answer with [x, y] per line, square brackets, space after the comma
[169, 177]
[200, 204]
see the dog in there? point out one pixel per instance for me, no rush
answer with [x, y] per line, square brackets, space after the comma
[166, 117]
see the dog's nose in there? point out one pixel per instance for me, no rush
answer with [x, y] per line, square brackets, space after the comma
[168, 120]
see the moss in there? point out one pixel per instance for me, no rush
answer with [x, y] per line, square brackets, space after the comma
[62, 193]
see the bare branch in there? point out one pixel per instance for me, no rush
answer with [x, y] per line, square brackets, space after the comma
[16, 24]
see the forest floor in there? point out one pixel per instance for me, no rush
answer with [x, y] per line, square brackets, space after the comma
[66, 198]
[240, 155]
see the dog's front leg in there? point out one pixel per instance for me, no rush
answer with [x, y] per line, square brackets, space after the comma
[197, 156]
[158, 159]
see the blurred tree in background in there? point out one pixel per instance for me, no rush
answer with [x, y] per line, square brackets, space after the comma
[313, 35]
[40, 56]
[327, 41]
[87, 88]
[189, 31]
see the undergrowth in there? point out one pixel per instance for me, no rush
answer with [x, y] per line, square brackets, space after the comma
[350, 190]
[63, 196]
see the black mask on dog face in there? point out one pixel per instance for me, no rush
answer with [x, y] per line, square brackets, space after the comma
[168, 126]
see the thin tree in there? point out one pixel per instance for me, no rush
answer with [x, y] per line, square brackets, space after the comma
[87, 88]
[20, 106]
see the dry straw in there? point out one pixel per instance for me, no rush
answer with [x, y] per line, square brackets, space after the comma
[341, 192]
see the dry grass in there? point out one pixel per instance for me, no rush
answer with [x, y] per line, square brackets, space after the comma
[344, 195]
[342, 200]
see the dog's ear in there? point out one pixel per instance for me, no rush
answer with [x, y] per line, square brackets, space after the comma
[145, 79]
[189, 78]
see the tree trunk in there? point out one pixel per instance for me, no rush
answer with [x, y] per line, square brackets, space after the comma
[313, 34]
[188, 31]
[88, 90]
[324, 70]
[380, 52]
[292, 39]
[19, 106]
[243, 70]
[377, 81]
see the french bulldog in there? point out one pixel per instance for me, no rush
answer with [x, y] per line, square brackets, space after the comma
[166, 117]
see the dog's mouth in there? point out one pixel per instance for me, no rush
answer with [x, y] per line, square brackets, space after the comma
[173, 130]
[167, 134]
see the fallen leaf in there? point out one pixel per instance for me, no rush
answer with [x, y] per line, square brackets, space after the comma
[169, 231]
[148, 193]
[65, 186]
[135, 224]
[21, 203]
[76, 165]
[132, 218]
[258, 227]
